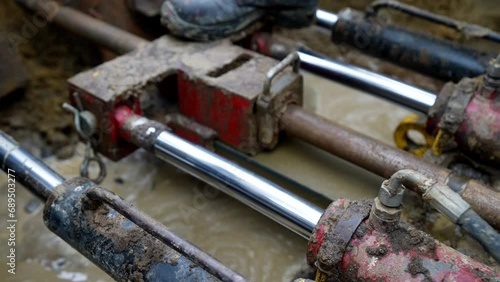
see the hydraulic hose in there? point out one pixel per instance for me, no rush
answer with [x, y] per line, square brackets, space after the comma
[480, 230]
[446, 201]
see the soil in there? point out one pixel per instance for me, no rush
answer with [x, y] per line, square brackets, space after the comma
[35, 117]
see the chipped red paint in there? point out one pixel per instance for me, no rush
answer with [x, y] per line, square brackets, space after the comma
[318, 236]
[429, 260]
[120, 116]
[478, 134]
[443, 264]
[231, 116]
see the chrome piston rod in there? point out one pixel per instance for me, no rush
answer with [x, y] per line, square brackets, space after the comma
[247, 187]
[28, 170]
[370, 82]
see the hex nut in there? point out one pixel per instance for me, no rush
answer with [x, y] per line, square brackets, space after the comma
[387, 199]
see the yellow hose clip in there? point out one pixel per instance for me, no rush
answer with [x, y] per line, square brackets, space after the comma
[405, 142]
[442, 138]
[320, 276]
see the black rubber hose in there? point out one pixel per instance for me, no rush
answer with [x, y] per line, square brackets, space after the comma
[480, 230]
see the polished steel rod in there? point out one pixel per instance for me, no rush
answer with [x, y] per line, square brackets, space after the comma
[26, 169]
[370, 82]
[326, 19]
[239, 183]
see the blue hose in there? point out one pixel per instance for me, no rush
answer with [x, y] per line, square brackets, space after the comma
[480, 230]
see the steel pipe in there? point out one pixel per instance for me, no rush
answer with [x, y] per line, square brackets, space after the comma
[28, 170]
[324, 134]
[384, 160]
[254, 191]
[121, 42]
[373, 83]
[370, 82]
[99, 32]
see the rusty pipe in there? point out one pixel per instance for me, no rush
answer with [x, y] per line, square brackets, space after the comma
[28, 170]
[384, 160]
[98, 32]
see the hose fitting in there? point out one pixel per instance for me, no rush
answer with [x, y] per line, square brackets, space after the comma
[446, 201]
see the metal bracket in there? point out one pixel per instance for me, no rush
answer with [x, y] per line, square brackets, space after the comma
[292, 59]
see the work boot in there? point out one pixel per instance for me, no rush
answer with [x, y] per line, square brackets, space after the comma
[203, 20]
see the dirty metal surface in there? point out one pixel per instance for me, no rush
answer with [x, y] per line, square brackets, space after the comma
[191, 130]
[240, 237]
[419, 52]
[216, 84]
[407, 254]
[384, 248]
[333, 233]
[107, 238]
[469, 112]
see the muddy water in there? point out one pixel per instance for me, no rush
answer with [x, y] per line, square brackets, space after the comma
[243, 239]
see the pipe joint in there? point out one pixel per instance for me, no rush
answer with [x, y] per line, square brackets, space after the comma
[391, 197]
[440, 196]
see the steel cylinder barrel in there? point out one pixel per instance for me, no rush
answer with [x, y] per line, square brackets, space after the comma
[384, 160]
[122, 241]
[28, 170]
[419, 52]
[121, 248]
[256, 192]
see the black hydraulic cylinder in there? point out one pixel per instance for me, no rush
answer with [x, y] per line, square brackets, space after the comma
[430, 56]
[121, 240]
[124, 250]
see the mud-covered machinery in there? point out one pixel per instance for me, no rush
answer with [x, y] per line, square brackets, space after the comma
[462, 130]
[203, 92]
